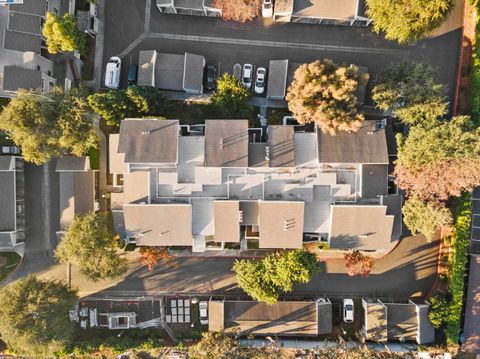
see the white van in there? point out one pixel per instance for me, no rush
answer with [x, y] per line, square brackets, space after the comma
[112, 73]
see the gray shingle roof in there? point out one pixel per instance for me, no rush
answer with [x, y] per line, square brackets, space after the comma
[34, 7]
[7, 199]
[277, 79]
[21, 22]
[374, 180]
[281, 146]
[361, 227]
[284, 318]
[169, 71]
[15, 78]
[149, 140]
[326, 9]
[72, 163]
[19, 41]
[226, 143]
[368, 145]
[193, 73]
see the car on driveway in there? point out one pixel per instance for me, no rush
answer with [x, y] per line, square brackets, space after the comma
[112, 73]
[247, 75]
[203, 307]
[10, 150]
[267, 8]
[348, 310]
[211, 77]
[260, 80]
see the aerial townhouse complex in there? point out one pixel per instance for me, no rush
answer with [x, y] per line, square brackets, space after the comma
[227, 186]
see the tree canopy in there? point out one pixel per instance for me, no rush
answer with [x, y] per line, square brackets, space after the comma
[49, 125]
[34, 316]
[88, 243]
[231, 97]
[425, 217]
[439, 161]
[264, 280]
[136, 101]
[62, 34]
[358, 264]
[411, 92]
[238, 10]
[325, 93]
[407, 20]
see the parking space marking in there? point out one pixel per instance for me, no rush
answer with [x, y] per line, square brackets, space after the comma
[279, 44]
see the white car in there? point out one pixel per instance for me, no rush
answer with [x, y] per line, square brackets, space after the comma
[10, 150]
[267, 8]
[348, 310]
[260, 80]
[247, 75]
[112, 73]
[203, 306]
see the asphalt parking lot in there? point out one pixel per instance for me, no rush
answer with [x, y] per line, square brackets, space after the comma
[226, 43]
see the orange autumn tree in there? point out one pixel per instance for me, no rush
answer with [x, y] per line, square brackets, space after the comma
[358, 264]
[238, 10]
[151, 255]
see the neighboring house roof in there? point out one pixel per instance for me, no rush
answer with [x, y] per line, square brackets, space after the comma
[169, 71]
[7, 200]
[281, 146]
[471, 343]
[34, 7]
[397, 321]
[368, 145]
[374, 180]
[149, 140]
[226, 143]
[326, 9]
[116, 160]
[227, 217]
[15, 78]
[146, 69]
[281, 224]
[27, 23]
[375, 324]
[250, 212]
[283, 7]
[73, 164]
[394, 204]
[77, 195]
[159, 224]
[193, 73]
[257, 154]
[189, 4]
[19, 41]
[361, 227]
[277, 78]
[136, 187]
[284, 318]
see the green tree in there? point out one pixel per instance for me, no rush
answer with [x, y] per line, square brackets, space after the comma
[34, 316]
[324, 93]
[89, 244]
[62, 34]
[264, 280]
[214, 345]
[439, 161]
[231, 97]
[440, 311]
[49, 125]
[115, 105]
[425, 217]
[407, 20]
[411, 92]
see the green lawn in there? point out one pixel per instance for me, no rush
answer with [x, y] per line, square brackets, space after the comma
[12, 260]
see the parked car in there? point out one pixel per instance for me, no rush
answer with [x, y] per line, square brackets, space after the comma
[211, 77]
[247, 75]
[132, 75]
[260, 80]
[237, 71]
[10, 150]
[203, 306]
[348, 310]
[112, 73]
[267, 8]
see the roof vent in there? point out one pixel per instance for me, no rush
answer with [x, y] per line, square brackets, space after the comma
[146, 132]
[267, 153]
[221, 143]
[240, 216]
[288, 224]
